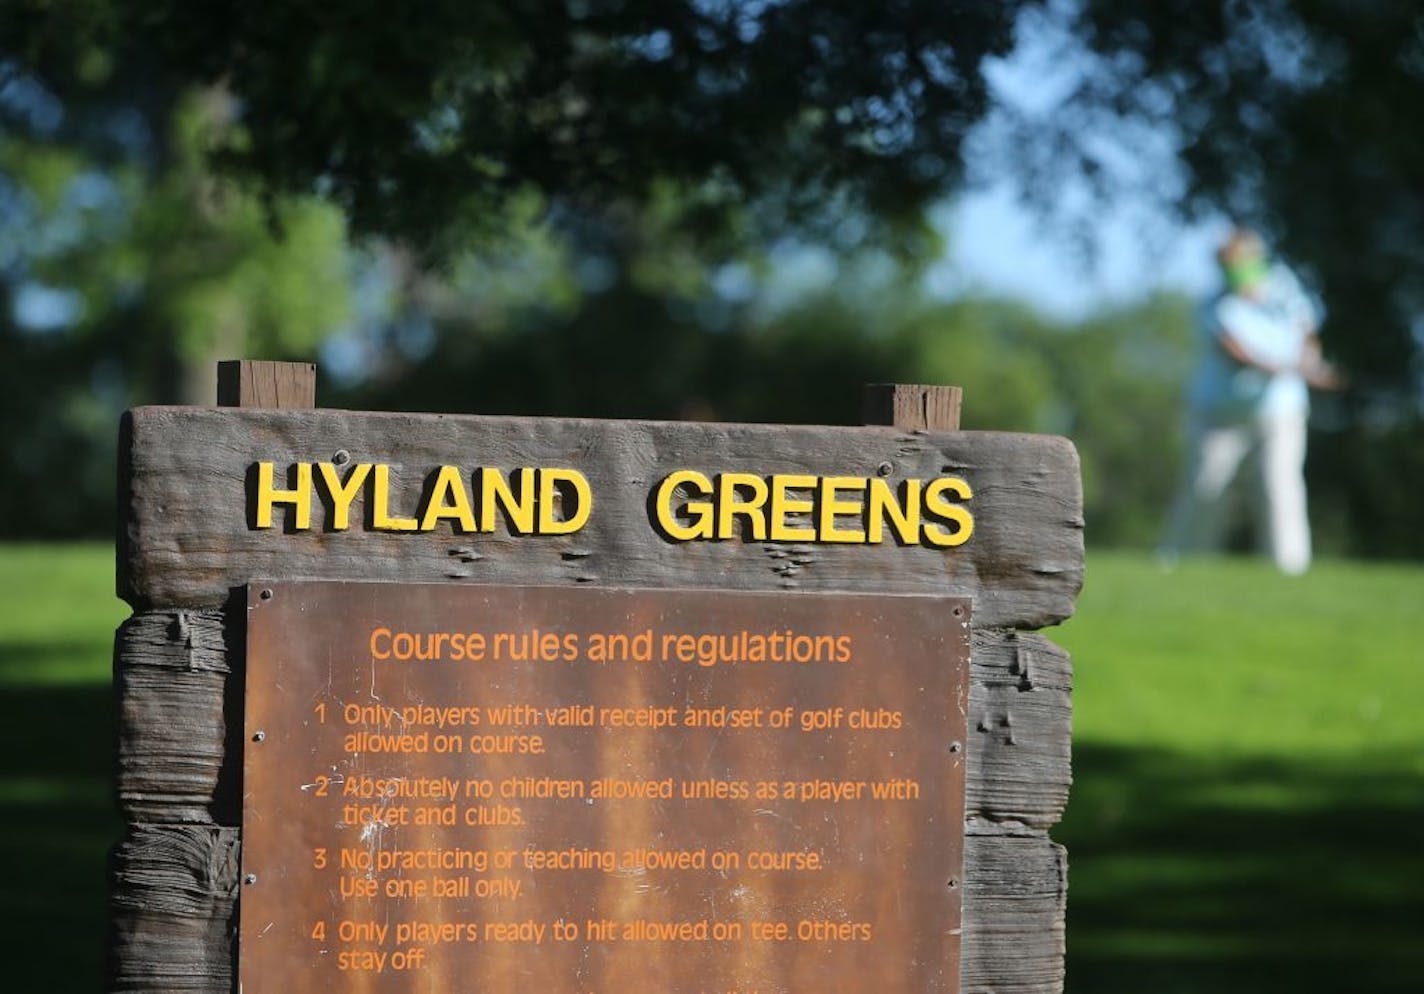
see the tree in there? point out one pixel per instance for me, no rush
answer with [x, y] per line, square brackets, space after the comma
[423, 124]
[126, 268]
[1295, 115]
[720, 126]
[727, 124]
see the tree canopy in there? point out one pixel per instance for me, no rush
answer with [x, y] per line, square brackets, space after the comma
[1292, 114]
[1299, 116]
[421, 123]
[185, 178]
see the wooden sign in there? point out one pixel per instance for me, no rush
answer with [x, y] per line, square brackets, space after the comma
[505, 789]
[214, 500]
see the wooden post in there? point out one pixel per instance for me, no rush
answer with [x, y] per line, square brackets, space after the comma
[913, 406]
[174, 873]
[1006, 939]
[261, 383]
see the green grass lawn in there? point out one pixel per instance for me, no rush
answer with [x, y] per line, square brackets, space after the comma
[57, 819]
[1249, 777]
[1248, 754]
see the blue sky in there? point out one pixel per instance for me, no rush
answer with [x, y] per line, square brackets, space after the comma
[999, 246]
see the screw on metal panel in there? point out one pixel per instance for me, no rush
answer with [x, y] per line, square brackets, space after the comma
[250, 879]
[955, 746]
[885, 469]
[953, 883]
[341, 458]
[258, 736]
[266, 595]
[959, 612]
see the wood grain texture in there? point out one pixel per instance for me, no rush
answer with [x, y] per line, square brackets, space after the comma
[175, 690]
[186, 540]
[173, 909]
[1014, 905]
[912, 406]
[263, 383]
[174, 876]
[1020, 729]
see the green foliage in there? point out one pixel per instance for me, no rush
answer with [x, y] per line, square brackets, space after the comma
[763, 118]
[997, 351]
[422, 132]
[182, 259]
[1365, 484]
[221, 270]
[1294, 114]
[160, 271]
[589, 174]
[648, 349]
[1121, 378]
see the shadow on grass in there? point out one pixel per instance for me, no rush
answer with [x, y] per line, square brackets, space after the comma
[57, 822]
[1188, 874]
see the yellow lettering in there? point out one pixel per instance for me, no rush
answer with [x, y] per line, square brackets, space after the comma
[518, 511]
[731, 506]
[448, 499]
[939, 507]
[575, 486]
[381, 518]
[699, 510]
[688, 505]
[832, 506]
[342, 494]
[783, 504]
[299, 498]
[883, 503]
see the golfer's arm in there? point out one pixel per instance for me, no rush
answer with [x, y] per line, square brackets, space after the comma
[1235, 350]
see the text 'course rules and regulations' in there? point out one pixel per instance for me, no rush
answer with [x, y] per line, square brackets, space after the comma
[584, 791]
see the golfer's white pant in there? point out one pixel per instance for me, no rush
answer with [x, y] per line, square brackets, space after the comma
[1277, 447]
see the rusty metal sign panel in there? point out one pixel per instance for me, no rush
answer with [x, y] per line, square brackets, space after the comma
[580, 791]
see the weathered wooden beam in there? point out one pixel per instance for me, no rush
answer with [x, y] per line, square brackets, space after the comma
[177, 760]
[188, 539]
[173, 877]
[1020, 729]
[1014, 905]
[173, 909]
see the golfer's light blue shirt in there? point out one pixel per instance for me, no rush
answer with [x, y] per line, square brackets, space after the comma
[1271, 328]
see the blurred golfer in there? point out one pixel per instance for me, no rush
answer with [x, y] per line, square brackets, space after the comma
[1248, 402]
